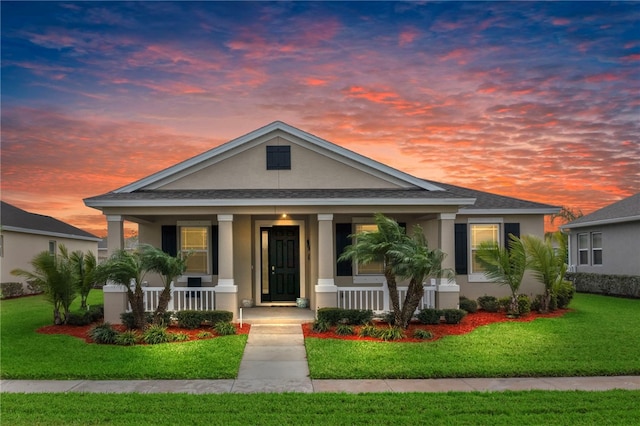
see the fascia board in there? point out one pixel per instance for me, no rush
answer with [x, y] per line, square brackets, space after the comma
[464, 211]
[49, 234]
[602, 222]
[284, 202]
[278, 125]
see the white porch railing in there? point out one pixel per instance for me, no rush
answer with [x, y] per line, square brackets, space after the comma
[377, 298]
[182, 298]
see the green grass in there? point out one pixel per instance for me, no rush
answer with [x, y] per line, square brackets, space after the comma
[26, 354]
[600, 337]
[616, 407]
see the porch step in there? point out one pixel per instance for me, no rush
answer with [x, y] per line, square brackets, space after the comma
[277, 315]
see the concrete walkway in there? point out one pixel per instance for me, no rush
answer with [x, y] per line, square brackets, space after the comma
[275, 360]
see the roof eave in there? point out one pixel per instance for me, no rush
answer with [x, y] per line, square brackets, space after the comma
[49, 233]
[282, 202]
[601, 222]
[524, 210]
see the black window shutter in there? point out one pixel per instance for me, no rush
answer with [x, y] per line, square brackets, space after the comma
[343, 230]
[170, 239]
[403, 225]
[460, 242]
[278, 158]
[510, 228]
[214, 250]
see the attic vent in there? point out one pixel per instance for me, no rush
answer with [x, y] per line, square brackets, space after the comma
[278, 158]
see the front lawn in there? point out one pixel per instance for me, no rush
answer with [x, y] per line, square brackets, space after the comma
[601, 336]
[26, 354]
[616, 407]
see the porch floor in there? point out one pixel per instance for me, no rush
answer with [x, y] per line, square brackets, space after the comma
[276, 315]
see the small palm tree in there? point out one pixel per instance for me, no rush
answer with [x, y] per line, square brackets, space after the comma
[125, 268]
[55, 275]
[547, 263]
[169, 268]
[504, 266]
[83, 266]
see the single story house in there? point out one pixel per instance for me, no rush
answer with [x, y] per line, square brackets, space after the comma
[23, 235]
[265, 217]
[607, 241]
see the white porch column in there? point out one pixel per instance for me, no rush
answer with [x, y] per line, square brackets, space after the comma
[226, 290]
[326, 290]
[115, 233]
[447, 291]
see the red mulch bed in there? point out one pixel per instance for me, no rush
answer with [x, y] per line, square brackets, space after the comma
[81, 331]
[469, 323]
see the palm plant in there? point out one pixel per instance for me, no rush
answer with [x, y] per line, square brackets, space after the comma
[169, 267]
[404, 257]
[55, 275]
[547, 263]
[83, 266]
[126, 268]
[504, 266]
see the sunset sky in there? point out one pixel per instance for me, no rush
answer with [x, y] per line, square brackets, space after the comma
[537, 100]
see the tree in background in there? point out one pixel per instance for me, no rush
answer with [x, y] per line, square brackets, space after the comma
[83, 266]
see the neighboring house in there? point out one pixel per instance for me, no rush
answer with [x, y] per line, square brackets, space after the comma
[24, 235]
[607, 241]
[266, 215]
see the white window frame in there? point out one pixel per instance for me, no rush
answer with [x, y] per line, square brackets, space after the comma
[582, 249]
[53, 247]
[595, 249]
[480, 277]
[1, 245]
[364, 278]
[196, 224]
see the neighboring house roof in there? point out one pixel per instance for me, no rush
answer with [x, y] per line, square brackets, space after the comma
[625, 210]
[15, 219]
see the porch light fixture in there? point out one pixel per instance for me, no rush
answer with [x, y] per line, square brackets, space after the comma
[284, 215]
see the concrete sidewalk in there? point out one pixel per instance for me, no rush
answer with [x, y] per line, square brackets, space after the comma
[275, 360]
[314, 386]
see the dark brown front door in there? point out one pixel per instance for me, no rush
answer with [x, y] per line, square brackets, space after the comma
[284, 264]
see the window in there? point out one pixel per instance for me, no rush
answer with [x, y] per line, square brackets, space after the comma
[596, 248]
[583, 249]
[278, 158]
[52, 248]
[1, 245]
[371, 268]
[482, 232]
[194, 242]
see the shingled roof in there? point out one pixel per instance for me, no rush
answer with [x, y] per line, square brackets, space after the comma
[625, 210]
[15, 219]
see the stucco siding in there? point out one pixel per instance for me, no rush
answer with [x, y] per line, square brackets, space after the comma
[309, 169]
[20, 248]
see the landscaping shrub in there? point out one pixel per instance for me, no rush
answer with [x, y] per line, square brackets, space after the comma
[422, 334]
[524, 305]
[614, 285]
[391, 333]
[224, 328]
[127, 319]
[86, 317]
[345, 316]
[155, 334]
[320, 326]
[389, 318]
[536, 303]
[34, 288]
[468, 305]
[344, 330]
[189, 319]
[369, 330]
[179, 337]
[127, 338]
[564, 293]
[453, 316]
[103, 334]
[8, 290]
[204, 335]
[489, 303]
[216, 316]
[429, 316]
[504, 303]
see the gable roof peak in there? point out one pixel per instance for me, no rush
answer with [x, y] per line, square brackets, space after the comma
[265, 130]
